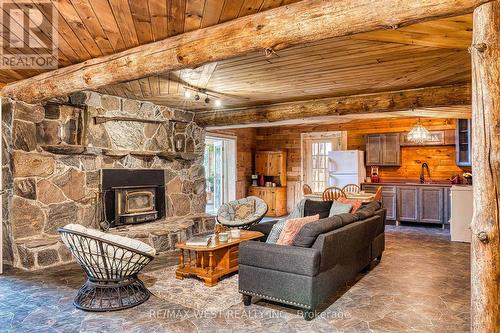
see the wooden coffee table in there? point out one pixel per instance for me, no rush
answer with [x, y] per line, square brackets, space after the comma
[212, 262]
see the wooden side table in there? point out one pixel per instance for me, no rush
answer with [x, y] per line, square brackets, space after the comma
[212, 262]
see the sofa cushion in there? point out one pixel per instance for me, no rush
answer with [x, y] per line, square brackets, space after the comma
[339, 208]
[356, 204]
[276, 231]
[244, 210]
[313, 207]
[264, 227]
[308, 234]
[367, 210]
[292, 228]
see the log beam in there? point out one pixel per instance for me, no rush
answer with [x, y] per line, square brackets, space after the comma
[386, 102]
[485, 244]
[272, 30]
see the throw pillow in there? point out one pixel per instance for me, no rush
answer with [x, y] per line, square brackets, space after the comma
[339, 208]
[292, 229]
[276, 231]
[355, 203]
[242, 211]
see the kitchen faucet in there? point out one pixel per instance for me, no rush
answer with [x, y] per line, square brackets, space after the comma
[422, 176]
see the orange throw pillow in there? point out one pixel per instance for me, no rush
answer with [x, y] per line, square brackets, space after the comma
[355, 203]
[292, 228]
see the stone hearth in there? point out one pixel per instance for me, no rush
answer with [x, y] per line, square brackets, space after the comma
[54, 155]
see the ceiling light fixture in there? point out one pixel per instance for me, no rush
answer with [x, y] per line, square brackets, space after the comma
[207, 100]
[419, 134]
[187, 93]
[218, 103]
[196, 97]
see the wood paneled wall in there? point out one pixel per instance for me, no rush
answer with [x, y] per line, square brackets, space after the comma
[441, 159]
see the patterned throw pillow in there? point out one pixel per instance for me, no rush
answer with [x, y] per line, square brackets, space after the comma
[340, 208]
[276, 231]
[292, 229]
[242, 211]
[355, 203]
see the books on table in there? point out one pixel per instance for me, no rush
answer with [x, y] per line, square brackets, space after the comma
[199, 240]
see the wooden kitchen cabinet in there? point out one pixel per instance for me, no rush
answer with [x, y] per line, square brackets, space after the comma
[274, 197]
[271, 163]
[389, 201]
[447, 205]
[383, 149]
[408, 204]
[431, 205]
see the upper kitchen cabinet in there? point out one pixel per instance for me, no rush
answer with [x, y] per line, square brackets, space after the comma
[383, 149]
[271, 163]
[463, 142]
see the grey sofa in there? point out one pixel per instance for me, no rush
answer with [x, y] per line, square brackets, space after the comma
[326, 255]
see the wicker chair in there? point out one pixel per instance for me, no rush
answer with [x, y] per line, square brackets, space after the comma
[111, 263]
[226, 212]
[306, 189]
[333, 193]
[351, 188]
[378, 194]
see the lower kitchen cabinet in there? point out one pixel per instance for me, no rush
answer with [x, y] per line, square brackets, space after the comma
[431, 207]
[274, 197]
[414, 203]
[408, 205]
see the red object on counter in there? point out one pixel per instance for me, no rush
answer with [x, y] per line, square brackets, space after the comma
[375, 178]
[456, 179]
[261, 180]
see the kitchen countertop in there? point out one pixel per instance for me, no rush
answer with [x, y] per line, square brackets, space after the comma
[411, 183]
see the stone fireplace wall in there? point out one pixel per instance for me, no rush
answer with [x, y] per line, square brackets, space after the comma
[57, 152]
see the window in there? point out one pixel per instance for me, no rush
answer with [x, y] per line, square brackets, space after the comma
[315, 149]
[319, 167]
[220, 171]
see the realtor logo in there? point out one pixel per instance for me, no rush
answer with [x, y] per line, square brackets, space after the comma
[29, 34]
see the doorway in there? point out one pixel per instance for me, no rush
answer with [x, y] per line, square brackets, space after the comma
[220, 171]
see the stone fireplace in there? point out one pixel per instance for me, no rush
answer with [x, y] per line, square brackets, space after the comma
[55, 156]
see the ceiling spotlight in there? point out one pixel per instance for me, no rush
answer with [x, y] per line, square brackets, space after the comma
[218, 103]
[207, 100]
[187, 93]
[197, 97]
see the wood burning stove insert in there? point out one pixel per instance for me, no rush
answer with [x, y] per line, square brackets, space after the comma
[131, 196]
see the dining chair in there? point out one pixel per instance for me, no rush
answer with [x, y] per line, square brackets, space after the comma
[378, 194]
[333, 193]
[351, 188]
[306, 189]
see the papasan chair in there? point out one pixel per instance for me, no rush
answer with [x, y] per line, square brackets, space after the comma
[111, 263]
[226, 215]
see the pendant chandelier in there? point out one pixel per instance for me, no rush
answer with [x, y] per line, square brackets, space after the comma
[419, 134]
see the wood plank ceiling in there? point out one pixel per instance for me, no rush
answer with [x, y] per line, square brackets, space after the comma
[92, 28]
[431, 53]
[425, 54]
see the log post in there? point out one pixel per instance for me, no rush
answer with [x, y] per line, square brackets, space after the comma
[485, 245]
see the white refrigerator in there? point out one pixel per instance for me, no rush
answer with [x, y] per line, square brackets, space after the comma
[346, 167]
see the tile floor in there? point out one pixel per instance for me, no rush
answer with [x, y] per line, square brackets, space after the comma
[421, 285]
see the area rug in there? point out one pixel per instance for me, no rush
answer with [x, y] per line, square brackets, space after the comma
[192, 292]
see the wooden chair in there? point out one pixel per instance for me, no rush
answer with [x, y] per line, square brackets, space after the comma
[351, 188]
[378, 194]
[306, 189]
[333, 193]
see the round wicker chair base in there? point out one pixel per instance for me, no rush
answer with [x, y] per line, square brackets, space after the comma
[111, 296]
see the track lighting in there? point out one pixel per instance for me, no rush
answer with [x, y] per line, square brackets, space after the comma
[196, 97]
[207, 100]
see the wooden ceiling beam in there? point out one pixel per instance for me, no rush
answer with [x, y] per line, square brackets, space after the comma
[355, 105]
[276, 29]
